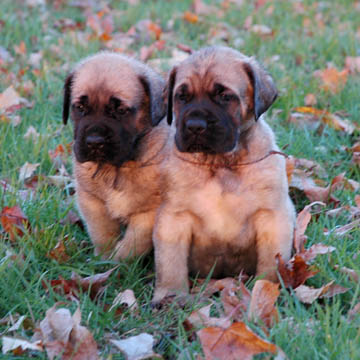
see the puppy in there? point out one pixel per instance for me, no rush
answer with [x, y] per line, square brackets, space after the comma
[116, 107]
[227, 207]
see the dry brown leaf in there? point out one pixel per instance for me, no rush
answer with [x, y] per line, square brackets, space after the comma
[126, 297]
[236, 301]
[352, 63]
[9, 98]
[62, 335]
[19, 346]
[14, 221]
[201, 318]
[313, 116]
[31, 134]
[302, 222]
[27, 171]
[233, 343]
[261, 30]
[137, 347]
[201, 8]
[353, 275]
[354, 312]
[343, 230]
[315, 250]
[310, 100]
[295, 272]
[262, 304]
[58, 253]
[332, 80]
[308, 294]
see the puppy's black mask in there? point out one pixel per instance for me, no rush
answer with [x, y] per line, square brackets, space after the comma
[108, 132]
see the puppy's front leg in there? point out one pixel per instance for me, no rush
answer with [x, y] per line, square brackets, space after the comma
[138, 236]
[274, 231]
[102, 229]
[172, 238]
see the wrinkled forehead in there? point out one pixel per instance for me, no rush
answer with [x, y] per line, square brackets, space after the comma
[100, 80]
[202, 74]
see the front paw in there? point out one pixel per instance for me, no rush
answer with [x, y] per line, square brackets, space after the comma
[163, 296]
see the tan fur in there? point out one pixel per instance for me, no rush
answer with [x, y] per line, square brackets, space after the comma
[137, 194]
[219, 215]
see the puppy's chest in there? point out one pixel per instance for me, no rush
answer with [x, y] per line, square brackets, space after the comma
[224, 204]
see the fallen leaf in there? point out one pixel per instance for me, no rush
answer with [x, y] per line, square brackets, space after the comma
[295, 272]
[73, 218]
[353, 275]
[352, 314]
[302, 222]
[126, 297]
[343, 230]
[9, 98]
[201, 8]
[31, 134]
[308, 294]
[201, 318]
[58, 253]
[18, 346]
[27, 170]
[236, 301]
[14, 221]
[332, 80]
[352, 63]
[310, 100]
[137, 347]
[261, 30]
[262, 304]
[233, 343]
[325, 117]
[62, 335]
[315, 250]
[190, 17]
[17, 325]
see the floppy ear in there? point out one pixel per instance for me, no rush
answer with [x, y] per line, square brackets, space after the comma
[67, 97]
[153, 90]
[168, 94]
[265, 92]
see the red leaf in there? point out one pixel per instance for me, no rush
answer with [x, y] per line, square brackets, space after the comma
[14, 221]
[295, 272]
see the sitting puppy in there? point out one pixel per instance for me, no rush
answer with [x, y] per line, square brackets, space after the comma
[116, 106]
[227, 207]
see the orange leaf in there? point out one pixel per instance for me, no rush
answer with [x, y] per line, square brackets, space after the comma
[233, 343]
[332, 80]
[190, 17]
[302, 222]
[14, 221]
[155, 29]
[262, 304]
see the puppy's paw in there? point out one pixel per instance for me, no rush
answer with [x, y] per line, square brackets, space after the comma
[163, 296]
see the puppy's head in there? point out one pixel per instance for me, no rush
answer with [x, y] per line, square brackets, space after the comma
[114, 101]
[216, 95]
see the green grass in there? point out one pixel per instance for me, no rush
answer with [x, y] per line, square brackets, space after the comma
[318, 331]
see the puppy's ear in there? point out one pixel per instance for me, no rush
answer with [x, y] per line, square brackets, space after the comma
[265, 92]
[153, 89]
[168, 94]
[67, 97]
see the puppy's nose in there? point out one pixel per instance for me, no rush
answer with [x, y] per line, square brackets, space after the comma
[196, 126]
[95, 140]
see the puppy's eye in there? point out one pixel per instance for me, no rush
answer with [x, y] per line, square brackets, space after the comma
[183, 97]
[225, 97]
[122, 110]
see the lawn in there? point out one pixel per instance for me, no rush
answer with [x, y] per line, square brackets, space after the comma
[311, 48]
